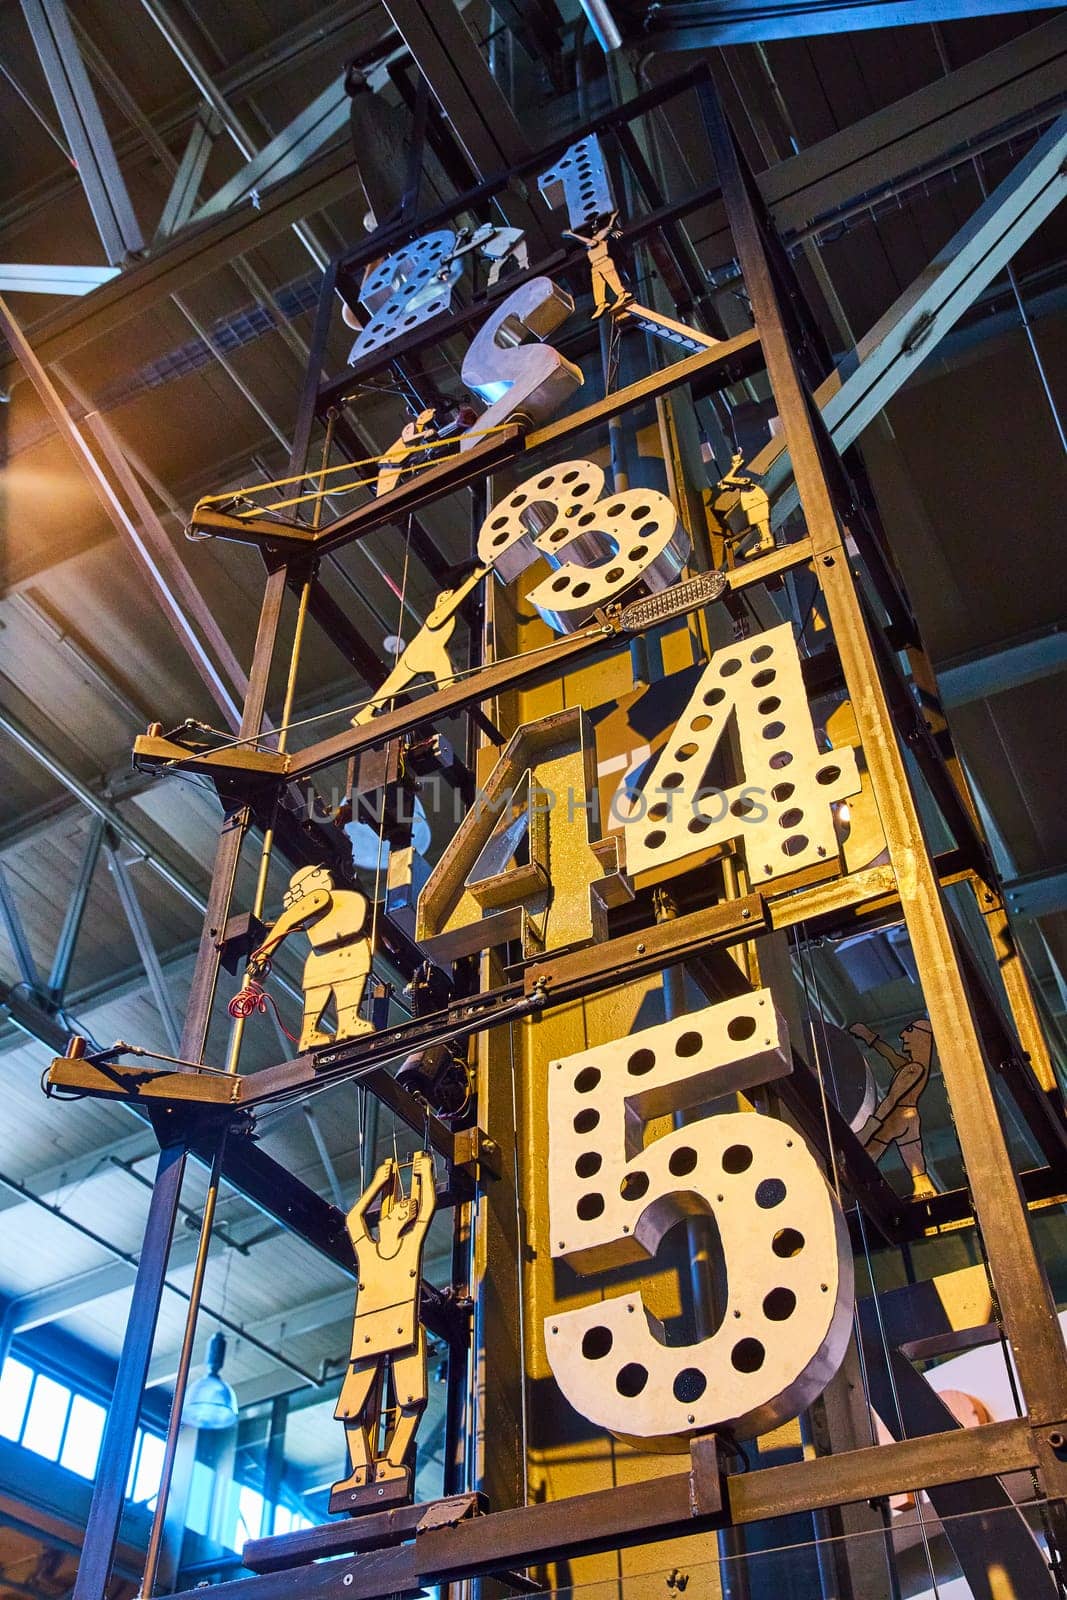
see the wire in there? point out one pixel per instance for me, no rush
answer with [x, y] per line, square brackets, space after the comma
[246, 491]
[379, 700]
[252, 997]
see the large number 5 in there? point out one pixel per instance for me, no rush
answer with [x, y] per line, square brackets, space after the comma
[787, 1318]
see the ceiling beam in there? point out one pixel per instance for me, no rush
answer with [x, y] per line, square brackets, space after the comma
[107, 495]
[714, 23]
[200, 249]
[87, 136]
[997, 668]
[904, 338]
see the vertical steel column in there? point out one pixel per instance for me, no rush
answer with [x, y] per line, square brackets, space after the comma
[106, 1510]
[1029, 1313]
[120, 1431]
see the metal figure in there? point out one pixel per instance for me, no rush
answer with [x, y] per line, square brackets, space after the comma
[427, 654]
[895, 1120]
[386, 1331]
[340, 960]
[609, 291]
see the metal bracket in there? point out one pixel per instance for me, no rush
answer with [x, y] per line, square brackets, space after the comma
[706, 1476]
[477, 1154]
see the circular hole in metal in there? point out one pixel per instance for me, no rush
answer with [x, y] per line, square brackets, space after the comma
[780, 759]
[560, 583]
[685, 752]
[790, 818]
[770, 1193]
[736, 1158]
[689, 1385]
[731, 665]
[787, 1243]
[638, 553]
[579, 590]
[742, 806]
[614, 574]
[634, 1186]
[782, 791]
[640, 1062]
[586, 1120]
[654, 839]
[779, 1305]
[764, 679]
[683, 1161]
[774, 730]
[657, 812]
[631, 1380]
[714, 697]
[739, 1028]
[698, 825]
[795, 844]
[761, 653]
[673, 780]
[828, 774]
[587, 1080]
[770, 703]
[688, 1044]
[698, 724]
[590, 1206]
[589, 1164]
[748, 1355]
[597, 1343]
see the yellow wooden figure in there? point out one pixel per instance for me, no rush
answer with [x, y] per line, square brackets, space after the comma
[340, 960]
[427, 654]
[387, 1336]
[609, 291]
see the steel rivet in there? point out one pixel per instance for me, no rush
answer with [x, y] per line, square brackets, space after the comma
[640, 949]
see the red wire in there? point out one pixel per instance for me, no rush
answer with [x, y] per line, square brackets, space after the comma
[252, 997]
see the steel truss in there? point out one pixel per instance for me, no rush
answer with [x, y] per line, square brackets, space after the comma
[210, 1114]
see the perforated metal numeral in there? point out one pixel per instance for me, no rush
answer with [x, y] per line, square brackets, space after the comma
[579, 180]
[786, 1320]
[527, 861]
[781, 812]
[599, 545]
[406, 289]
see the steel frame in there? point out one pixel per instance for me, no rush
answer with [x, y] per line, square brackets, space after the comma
[971, 1040]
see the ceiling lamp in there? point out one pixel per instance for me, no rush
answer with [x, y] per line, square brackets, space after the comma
[210, 1402]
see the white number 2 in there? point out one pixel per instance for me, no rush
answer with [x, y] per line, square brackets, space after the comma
[787, 1318]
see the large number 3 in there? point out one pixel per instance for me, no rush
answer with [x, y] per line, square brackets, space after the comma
[786, 1322]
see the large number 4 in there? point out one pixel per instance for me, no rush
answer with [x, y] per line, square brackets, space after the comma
[787, 1317]
[781, 811]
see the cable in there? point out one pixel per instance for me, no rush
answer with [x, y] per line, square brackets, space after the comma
[176, 764]
[246, 491]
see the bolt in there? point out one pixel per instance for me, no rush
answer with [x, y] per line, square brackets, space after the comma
[1057, 1440]
[347, 1579]
[827, 561]
[744, 918]
[640, 949]
[690, 1418]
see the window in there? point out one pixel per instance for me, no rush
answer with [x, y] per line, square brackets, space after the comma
[46, 1418]
[149, 1461]
[85, 1429]
[250, 1504]
[15, 1381]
